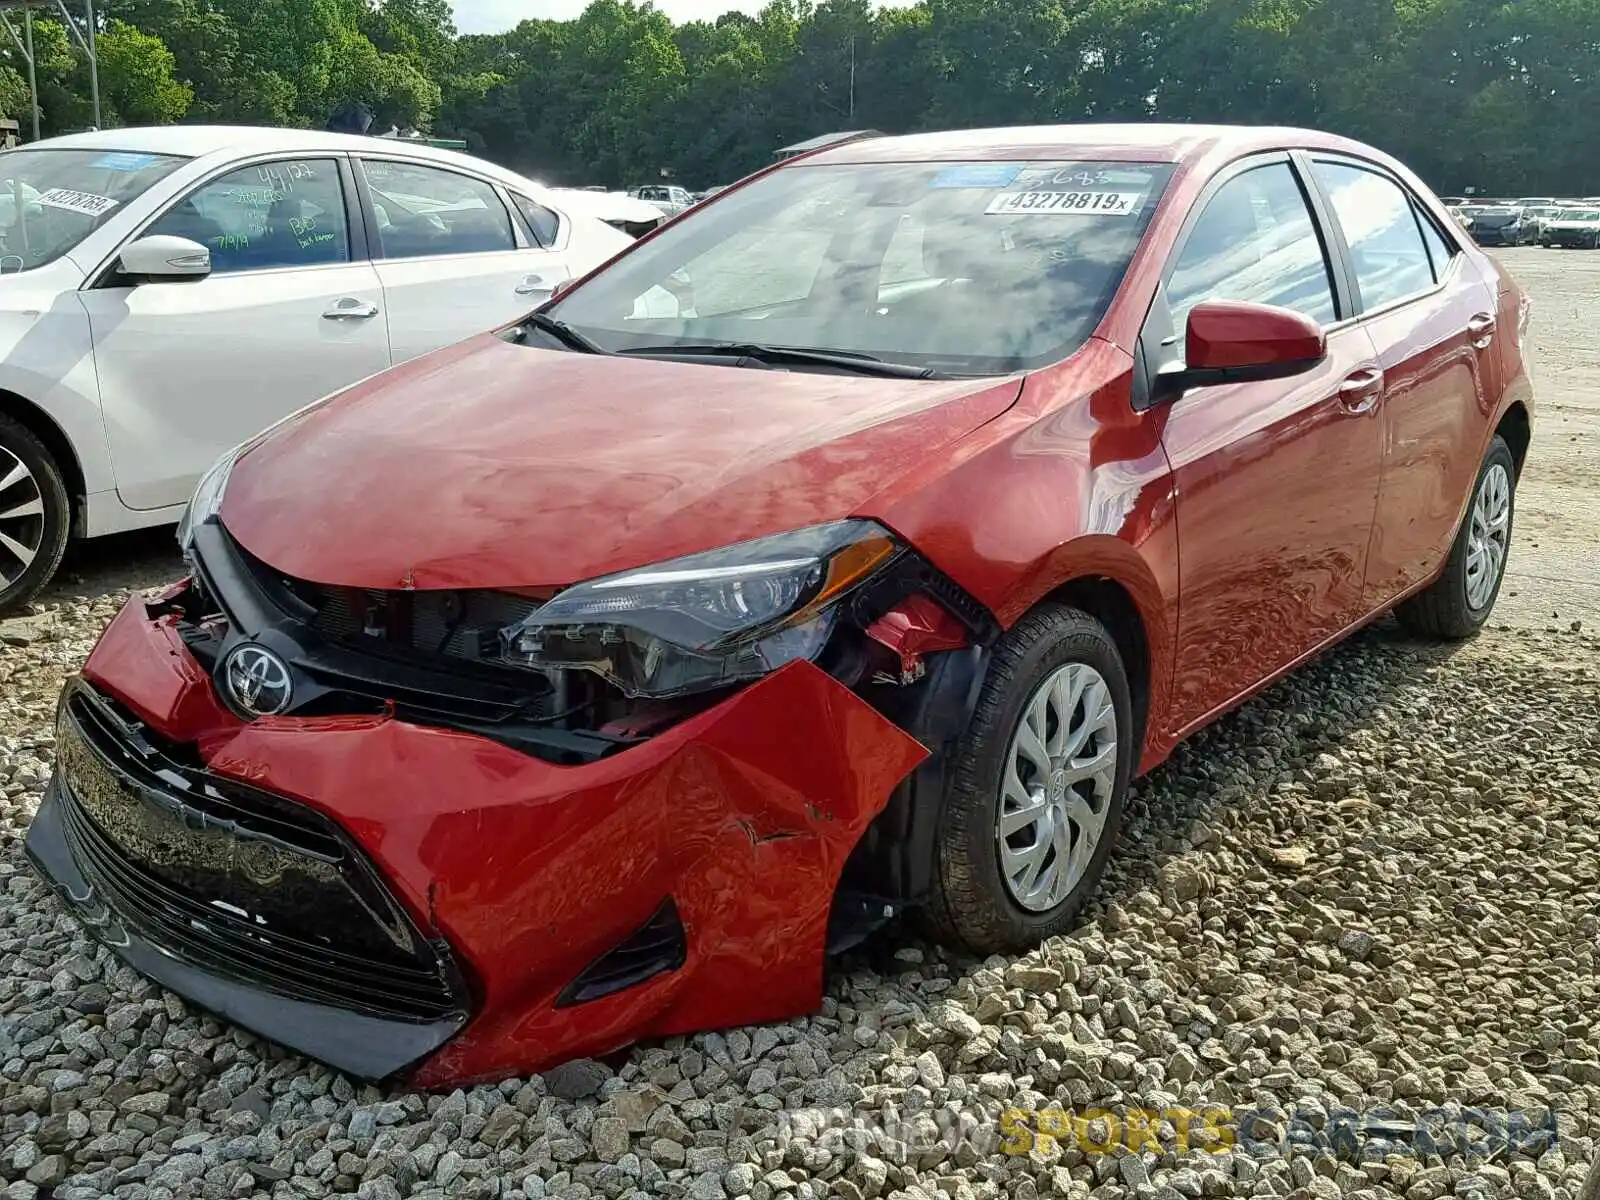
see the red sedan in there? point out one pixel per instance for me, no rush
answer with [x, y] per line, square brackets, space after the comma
[842, 547]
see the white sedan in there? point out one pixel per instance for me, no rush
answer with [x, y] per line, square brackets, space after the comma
[167, 293]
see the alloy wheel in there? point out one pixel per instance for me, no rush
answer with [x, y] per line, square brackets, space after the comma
[1060, 774]
[1488, 535]
[21, 517]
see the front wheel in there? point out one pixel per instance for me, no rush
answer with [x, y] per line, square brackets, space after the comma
[35, 515]
[1457, 604]
[1038, 786]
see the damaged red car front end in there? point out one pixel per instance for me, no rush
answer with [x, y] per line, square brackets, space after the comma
[515, 913]
[445, 833]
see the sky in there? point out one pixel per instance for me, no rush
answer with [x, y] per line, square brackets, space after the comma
[496, 16]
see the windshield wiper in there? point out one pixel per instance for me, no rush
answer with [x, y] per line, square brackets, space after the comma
[562, 332]
[849, 360]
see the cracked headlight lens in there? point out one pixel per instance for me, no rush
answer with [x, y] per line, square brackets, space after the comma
[708, 619]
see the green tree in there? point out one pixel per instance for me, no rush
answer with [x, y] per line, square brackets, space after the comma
[136, 77]
[1489, 93]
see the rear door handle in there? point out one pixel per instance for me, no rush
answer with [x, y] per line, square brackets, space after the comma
[535, 285]
[1359, 390]
[350, 309]
[1481, 327]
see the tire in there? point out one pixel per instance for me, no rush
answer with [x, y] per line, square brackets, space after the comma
[35, 516]
[974, 905]
[1456, 605]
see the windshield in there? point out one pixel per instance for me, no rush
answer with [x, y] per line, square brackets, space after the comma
[50, 200]
[962, 268]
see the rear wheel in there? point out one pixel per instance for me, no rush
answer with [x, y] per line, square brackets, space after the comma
[1458, 603]
[34, 515]
[1038, 786]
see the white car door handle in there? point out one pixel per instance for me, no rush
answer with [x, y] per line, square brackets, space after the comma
[539, 285]
[351, 309]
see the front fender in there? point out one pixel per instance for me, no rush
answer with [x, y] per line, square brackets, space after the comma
[47, 359]
[1071, 483]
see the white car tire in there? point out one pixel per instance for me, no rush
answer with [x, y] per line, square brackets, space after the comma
[35, 515]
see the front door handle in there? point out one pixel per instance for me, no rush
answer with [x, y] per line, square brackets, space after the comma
[534, 285]
[1481, 328]
[1359, 390]
[350, 309]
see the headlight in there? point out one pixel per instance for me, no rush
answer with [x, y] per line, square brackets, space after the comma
[708, 619]
[207, 498]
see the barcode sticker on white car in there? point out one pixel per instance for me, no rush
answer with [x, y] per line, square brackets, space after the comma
[87, 203]
[1079, 204]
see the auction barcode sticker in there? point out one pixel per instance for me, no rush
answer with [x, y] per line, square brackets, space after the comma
[1083, 204]
[80, 202]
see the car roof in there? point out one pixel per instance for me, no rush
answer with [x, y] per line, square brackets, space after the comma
[242, 141]
[198, 141]
[1144, 142]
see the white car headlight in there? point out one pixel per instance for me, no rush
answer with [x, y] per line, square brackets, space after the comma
[207, 498]
[708, 619]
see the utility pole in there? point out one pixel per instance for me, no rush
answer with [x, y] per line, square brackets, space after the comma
[852, 77]
[94, 61]
[33, 78]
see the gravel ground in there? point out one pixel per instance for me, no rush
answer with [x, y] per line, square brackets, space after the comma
[1377, 886]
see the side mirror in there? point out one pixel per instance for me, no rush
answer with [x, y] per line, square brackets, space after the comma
[163, 258]
[1229, 341]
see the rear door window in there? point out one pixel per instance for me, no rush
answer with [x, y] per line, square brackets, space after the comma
[1380, 226]
[1440, 252]
[423, 211]
[543, 223]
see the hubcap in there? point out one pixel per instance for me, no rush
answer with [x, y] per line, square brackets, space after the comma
[21, 518]
[1488, 535]
[1060, 773]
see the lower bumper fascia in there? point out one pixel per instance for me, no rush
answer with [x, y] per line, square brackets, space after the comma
[357, 1044]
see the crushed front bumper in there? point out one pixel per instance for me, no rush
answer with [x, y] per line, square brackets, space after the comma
[545, 912]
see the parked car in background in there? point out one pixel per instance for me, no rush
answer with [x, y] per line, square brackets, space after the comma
[1493, 225]
[670, 200]
[592, 679]
[1534, 221]
[1577, 229]
[166, 293]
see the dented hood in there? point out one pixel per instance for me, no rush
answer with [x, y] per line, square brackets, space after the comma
[494, 465]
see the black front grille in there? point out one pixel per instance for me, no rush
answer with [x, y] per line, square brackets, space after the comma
[238, 881]
[450, 624]
[425, 657]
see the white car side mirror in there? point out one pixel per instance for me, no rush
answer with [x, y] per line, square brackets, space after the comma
[163, 258]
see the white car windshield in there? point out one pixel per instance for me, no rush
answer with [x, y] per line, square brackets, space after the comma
[50, 200]
[963, 268]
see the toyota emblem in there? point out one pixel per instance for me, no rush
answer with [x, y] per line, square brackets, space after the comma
[257, 681]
